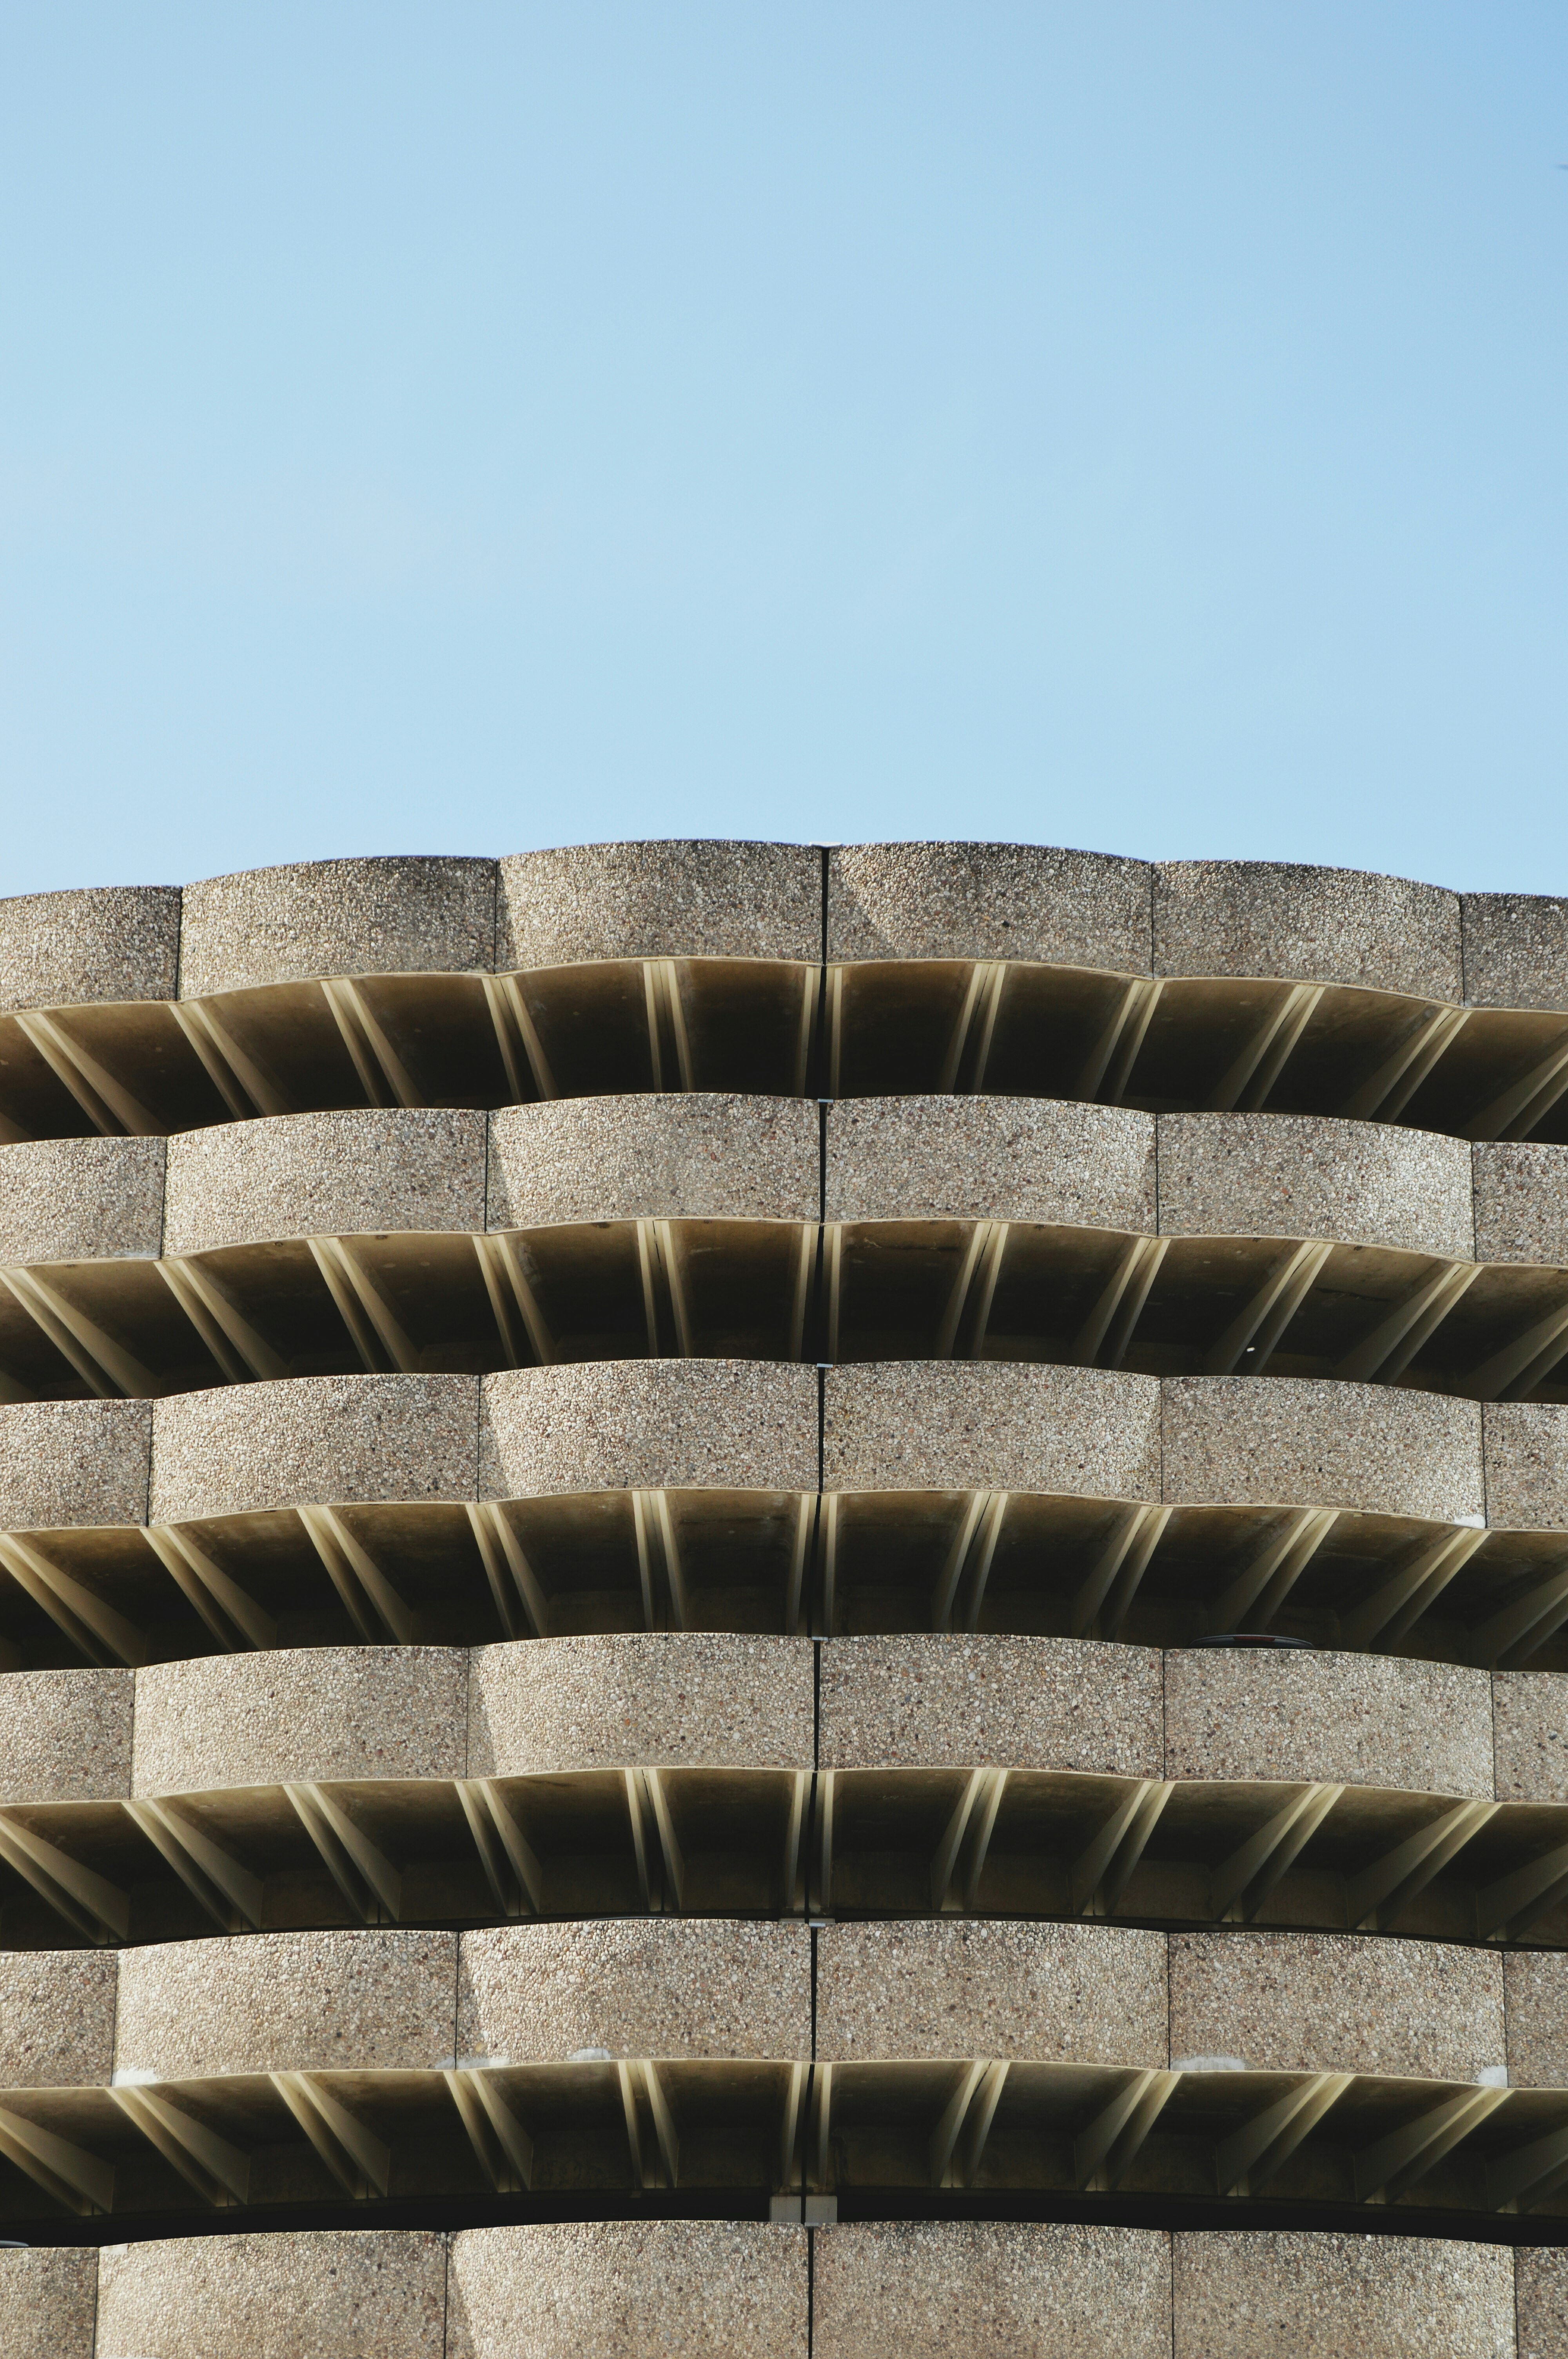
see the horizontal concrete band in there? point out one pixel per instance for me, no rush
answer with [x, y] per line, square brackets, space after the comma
[733, 1424]
[921, 2291]
[708, 1156]
[758, 900]
[699, 1699]
[394, 2000]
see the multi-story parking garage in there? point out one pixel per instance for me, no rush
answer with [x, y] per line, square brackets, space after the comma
[760, 1601]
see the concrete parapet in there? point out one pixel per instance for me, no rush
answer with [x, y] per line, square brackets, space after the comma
[607, 1425]
[687, 1698]
[989, 901]
[365, 1169]
[370, 2001]
[703, 899]
[1320, 1442]
[315, 1713]
[1304, 2001]
[57, 2017]
[924, 2289]
[74, 1463]
[935, 1425]
[1250, 2294]
[313, 1439]
[48, 2298]
[1536, 1982]
[1526, 1465]
[1354, 1720]
[1530, 1734]
[1041, 1993]
[931, 1158]
[703, 1156]
[65, 1736]
[998, 1702]
[1521, 1202]
[627, 2289]
[618, 1987]
[1307, 925]
[324, 918]
[80, 1199]
[1516, 950]
[341, 2293]
[105, 943]
[1276, 1175]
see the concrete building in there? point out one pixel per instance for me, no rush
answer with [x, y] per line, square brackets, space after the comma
[759, 1601]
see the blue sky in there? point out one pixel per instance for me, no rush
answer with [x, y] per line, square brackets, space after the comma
[473, 427]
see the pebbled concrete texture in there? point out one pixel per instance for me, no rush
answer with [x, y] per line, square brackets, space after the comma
[1541, 2285]
[80, 1199]
[611, 1425]
[1337, 2003]
[1261, 2294]
[1352, 1720]
[696, 1699]
[628, 2289]
[1053, 1994]
[932, 1158]
[57, 2017]
[993, 1702]
[712, 898]
[1305, 924]
[940, 1425]
[341, 2293]
[1321, 1442]
[313, 1440]
[1521, 1202]
[106, 943]
[1530, 1733]
[314, 1712]
[73, 1462]
[633, 1986]
[362, 1170]
[989, 901]
[704, 1156]
[320, 918]
[1281, 1175]
[358, 2001]
[1536, 1982]
[48, 2298]
[1516, 950]
[1526, 1465]
[65, 1736]
[922, 2290]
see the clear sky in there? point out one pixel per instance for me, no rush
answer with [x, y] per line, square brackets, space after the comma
[467, 426]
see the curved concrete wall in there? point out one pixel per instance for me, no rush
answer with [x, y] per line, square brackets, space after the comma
[346, 2293]
[65, 1736]
[706, 2288]
[1274, 1175]
[705, 1155]
[1521, 1202]
[1516, 950]
[1309, 925]
[336, 917]
[312, 1175]
[702, 899]
[692, 1698]
[611, 1425]
[1295, 1441]
[109, 943]
[989, 901]
[1353, 1720]
[1382, 2297]
[920, 2290]
[49, 2301]
[1004, 1703]
[320, 1712]
[74, 1463]
[313, 1439]
[1526, 1465]
[1339, 2003]
[80, 1199]
[57, 2017]
[356, 2001]
[930, 1159]
[1053, 1994]
[663, 1987]
[936, 1425]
